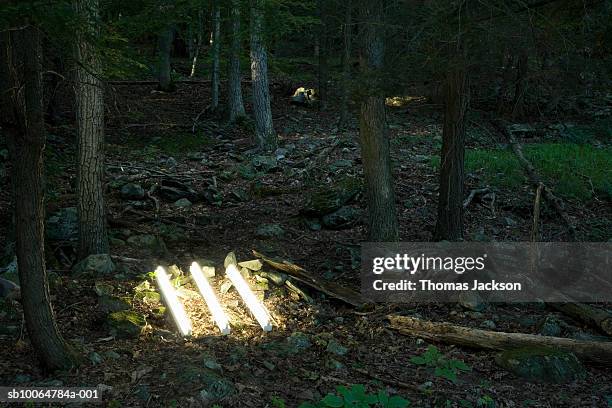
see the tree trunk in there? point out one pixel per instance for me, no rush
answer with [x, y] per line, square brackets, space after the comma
[236, 106]
[520, 88]
[216, 37]
[195, 43]
[89, 96]
[449, 225]
[323, 53]
[165, 47]
[21, 118]
[373, 136]
[264, 129]
[346, 67]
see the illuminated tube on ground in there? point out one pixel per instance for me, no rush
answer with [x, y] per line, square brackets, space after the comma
[176, 308]
[211, 300]
[255, 306]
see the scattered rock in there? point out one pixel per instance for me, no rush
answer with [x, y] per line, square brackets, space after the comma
[549, 326]
[225, 286]
[116, 242]
[132, 191]
[277, 278]
[111, 304]
[126, 324]
[95, 358]
[113, 355]
[522, 130]
[340, 164]
[96, 265]
[254, 264]
[269, 231]
[313, 224]
[471, 301]
[298, 342]
[182, 203]
[9, 289]
[542, 364]
[328, 199]
[336, 348]
[63, 225]
[342, 218]
[488, 324]
[265, 164]
[148, 241]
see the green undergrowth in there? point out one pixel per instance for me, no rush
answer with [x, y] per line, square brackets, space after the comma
[574, 170]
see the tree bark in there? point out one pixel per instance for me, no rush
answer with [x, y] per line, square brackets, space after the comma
[264, 129]
[21, 118]
[382, 218]
[449, 225]
[322, 54]
[346, 66]
[164, 49]
[195, 43]
[216, 37]
[236, 106]
[89, 97]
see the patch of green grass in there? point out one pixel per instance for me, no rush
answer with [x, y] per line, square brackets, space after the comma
[574, 170]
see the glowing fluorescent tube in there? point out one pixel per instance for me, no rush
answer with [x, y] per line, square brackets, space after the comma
[209, 297]
[255, 306]
[176, 308]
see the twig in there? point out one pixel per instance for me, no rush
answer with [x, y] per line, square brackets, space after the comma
[536, 213]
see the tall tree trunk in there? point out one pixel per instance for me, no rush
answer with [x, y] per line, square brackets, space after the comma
[236, 106]
[216, 37]
[323, 53]
[520, 87]
[449, 225]
[373, 134]
[21, 118]
[89, 96]
[195, 41]
[264, 129]
[164, 49]
[346, 66]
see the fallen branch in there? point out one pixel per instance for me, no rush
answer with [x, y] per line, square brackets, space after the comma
[332, 289]
[533, 176]
[593, 316]
[593, 351]
[473, 194]
[388, 381]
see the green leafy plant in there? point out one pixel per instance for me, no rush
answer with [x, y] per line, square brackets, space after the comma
[356, 396]
[277, 402]
[443, 367]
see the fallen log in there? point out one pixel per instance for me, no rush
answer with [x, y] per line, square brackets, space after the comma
[593, 316]
[334, 290]
[534, 178]
[593, 351]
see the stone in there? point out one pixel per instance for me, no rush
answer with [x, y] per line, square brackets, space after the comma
[126, 324]
[182, 203]
[336, 348]
[96, 265]
[298, 342]
[340, 164]
[116, 242]
[95, 358]
[9, 289]
[254, 264]
[471, 301]
[343, 218]
[327, 199]
[281, 153]
[265, 164]
[549, 326]
[522, 129]
[488, 324]
[63, 225]
[111, 304]
[148, 241]
[225, 286]
[313, 223]
[113, 355]
[540, 364]
[276, 278]
[132, 191]
[269, 231]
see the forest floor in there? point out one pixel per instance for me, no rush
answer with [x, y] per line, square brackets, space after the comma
[241, 202]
